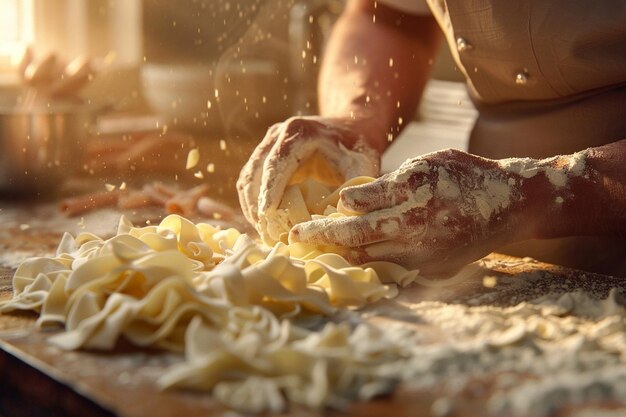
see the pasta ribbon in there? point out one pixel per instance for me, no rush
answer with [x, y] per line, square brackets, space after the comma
[236, 308]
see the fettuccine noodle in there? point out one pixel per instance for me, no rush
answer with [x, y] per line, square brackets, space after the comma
[239, 310]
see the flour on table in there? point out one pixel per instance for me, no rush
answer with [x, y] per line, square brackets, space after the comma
[574, 343]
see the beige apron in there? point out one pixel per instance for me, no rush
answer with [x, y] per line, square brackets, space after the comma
[548, 77]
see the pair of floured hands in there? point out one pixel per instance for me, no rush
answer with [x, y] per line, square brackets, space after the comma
[435, 213]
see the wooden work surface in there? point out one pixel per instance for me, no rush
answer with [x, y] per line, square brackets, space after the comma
[41, 380]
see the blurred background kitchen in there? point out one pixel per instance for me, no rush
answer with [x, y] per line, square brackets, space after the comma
[170, 76]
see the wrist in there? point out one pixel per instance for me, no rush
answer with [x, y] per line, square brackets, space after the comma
[559, 195]
[363, 130]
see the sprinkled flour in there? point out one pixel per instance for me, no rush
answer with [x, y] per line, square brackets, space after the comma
[557, 169]
[561, 349]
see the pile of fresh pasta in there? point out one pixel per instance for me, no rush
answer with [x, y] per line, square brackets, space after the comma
[252, 321]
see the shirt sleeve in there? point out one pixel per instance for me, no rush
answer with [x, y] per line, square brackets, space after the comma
[417, 7]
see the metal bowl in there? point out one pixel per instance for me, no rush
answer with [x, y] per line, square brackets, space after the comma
[41, 146]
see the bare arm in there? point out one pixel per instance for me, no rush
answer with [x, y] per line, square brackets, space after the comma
[595, 203]
[373, 73]
[375, 68]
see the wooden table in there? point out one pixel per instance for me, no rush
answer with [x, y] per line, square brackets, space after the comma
[41, 380]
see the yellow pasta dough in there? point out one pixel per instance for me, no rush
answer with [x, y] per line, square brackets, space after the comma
[237, 308]
[311, 199]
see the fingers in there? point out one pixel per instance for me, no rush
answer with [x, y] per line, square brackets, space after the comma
[282, 152]
[386, 192]
[428, 260]
[373, 245]
[356, 231]
[277, 171]
[376, 195]
[249, 180]
[298, 140]
[409, 256]
[301, 138]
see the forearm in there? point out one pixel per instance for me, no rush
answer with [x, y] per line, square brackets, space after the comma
[593, 201]
[375, 69]
[605, 188]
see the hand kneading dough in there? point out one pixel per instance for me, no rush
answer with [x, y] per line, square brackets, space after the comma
[228, 302]
[309, 200]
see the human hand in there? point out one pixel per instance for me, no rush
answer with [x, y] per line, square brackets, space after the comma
[335, 146]
[435, 213]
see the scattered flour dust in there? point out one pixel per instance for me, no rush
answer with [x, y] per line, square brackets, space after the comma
[570, 346]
